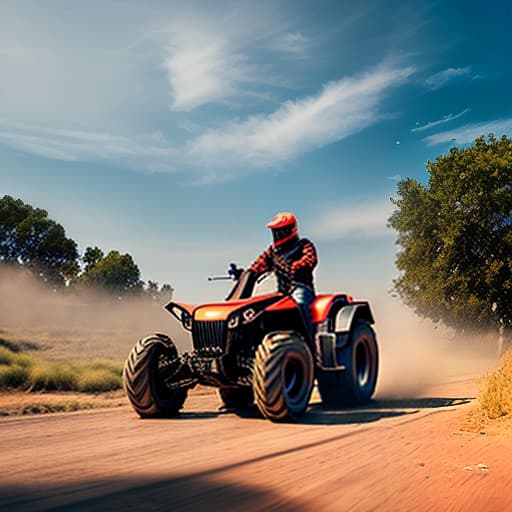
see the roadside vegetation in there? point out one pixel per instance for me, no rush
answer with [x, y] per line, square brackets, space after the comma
[455, 238]
[496, 390]
[19, 371]
[454, 234]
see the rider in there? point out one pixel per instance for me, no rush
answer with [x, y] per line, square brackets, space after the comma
[292, 259]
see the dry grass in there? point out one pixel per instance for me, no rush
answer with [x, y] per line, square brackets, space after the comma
[496, 390]
[57, 343]
[77, 324]
[19, 371]
[67, 342]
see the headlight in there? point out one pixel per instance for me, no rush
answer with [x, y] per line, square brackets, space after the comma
[186, 320]
[249, 315]
[233, 322]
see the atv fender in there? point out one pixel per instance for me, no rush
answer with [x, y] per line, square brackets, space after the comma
[330, 345]
[347, 314]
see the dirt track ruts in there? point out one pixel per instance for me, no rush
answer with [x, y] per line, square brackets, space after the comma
[395, 455]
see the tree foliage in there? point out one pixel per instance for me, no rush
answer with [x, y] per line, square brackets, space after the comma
[115, 272]
[91, 257]
[161, 294]
[29, 237]
[455, 237]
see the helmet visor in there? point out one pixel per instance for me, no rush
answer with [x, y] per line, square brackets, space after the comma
[284, 233]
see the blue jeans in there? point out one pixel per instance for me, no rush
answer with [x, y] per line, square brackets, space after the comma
[304, 297]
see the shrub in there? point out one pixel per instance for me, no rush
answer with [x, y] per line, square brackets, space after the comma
[10, 358]
[53, 377]
[99, 379]
[7, 357]
[496, 391]
[13, 376]
[18, 371]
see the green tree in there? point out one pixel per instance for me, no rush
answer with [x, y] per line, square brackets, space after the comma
[455, 237]
[115, 272]
[152, 289]
[30, 238]
[166, 293]
[92, 256]
[161, 294]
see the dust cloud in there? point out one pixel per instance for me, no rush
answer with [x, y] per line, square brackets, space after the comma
[415, 355]
[78, 323]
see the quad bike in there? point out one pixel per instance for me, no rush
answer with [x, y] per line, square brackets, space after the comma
[257, 349]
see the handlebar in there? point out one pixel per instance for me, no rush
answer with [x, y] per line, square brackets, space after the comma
[233, 273]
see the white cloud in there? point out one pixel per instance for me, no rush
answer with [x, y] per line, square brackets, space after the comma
[364, 219]
[214, 56]
[444, 119]
[340, 109]
[145, 152]
[440, 79]
[470, 132]
[293, 43]
[204, 69]
[105, 84]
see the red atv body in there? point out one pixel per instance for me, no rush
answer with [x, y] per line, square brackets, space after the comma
[258, 349]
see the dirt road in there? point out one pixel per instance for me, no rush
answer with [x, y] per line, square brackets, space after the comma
[396, 455]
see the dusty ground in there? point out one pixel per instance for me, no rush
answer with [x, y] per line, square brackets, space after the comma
[431, 452]
[21, 403]
[395, 455]
[15, 403]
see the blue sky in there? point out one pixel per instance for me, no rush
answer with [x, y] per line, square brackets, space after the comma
[174, 133]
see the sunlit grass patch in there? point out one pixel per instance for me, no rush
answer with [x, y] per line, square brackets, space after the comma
[496, 390]
[19, 371]
[14, 369]
[50, 376]
[11, 358]
[99, 376]
[13, 376]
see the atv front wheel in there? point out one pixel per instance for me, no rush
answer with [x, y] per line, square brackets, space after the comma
[283, 376]
[152, 362]
[236, 398]
[354, 385]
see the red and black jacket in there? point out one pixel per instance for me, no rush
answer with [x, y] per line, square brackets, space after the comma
[293, 264]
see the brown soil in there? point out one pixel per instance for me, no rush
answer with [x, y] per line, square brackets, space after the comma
[15, 403]
[18, 403]
[393, 455]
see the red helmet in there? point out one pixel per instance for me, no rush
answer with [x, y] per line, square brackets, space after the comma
[283, 226]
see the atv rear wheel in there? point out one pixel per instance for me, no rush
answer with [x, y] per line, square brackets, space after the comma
[283, 376]
[236, 398]
[354, 385]
[152, 362]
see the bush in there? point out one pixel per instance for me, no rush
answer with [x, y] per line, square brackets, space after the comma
[13, 376]
[53, 377]
[99, 379]
[18, 371]
[496, 391]
[8, 357]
